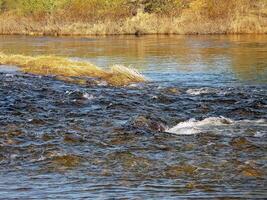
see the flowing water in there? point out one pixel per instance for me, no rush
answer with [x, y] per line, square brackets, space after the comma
[197, 130]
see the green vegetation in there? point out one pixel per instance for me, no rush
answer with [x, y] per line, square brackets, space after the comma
[64, 17]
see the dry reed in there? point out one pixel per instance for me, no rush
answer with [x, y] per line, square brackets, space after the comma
[54, 65]
[198, 17]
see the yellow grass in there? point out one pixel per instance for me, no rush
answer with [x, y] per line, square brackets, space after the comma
[54, 65]
[197, 17]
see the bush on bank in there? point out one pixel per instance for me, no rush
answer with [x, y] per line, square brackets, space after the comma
[132, 16]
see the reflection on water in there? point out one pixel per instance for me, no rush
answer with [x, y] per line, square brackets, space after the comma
[239, 56]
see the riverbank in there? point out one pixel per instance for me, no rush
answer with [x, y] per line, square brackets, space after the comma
[248, 17]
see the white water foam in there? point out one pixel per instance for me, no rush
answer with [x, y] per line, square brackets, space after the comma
[88, 96]
[199, 91]
[219, 125]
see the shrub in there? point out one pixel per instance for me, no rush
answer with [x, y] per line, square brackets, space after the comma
[40, 6]
[214, 8]
[169, 7]
[8, 4]
[96, 9]
[1, 5]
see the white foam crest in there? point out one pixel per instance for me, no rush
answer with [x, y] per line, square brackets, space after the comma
[88, 96]
[219, 125]
[193, 126]
[199, 91]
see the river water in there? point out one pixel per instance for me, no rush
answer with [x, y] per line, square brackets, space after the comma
[196, 130]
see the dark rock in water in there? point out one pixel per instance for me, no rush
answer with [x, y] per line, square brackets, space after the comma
[78, 98]
[164, 99]
[204, 108]
[130, 162]
[75, 95]
[147, 123]
[172, 90]
[47, 137]
[67, 161]
[37, 122]
[178, 170]
[73, 138]
[251, 171]
[240, 143]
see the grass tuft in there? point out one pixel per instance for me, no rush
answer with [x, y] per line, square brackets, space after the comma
[54, 65]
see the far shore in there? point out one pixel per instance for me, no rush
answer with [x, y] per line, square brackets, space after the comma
[134, 17]
[141, 24]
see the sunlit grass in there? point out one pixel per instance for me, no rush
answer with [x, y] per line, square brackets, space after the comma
[104, 17]
[60, 66]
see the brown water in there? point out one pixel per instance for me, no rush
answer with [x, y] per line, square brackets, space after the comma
[61, 140]
[240, 56]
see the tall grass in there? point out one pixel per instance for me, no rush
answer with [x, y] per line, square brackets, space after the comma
[53, 65]
[83, 17]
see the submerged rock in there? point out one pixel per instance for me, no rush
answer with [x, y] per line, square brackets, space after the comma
[177, 170]
[73, 138]
[129, 162]
[67, 161]
[241, 143]
[251, 171]
[172, 90]
[146, 123]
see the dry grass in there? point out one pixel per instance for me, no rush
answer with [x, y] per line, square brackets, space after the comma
[53, 65]
[101, 17]
[121, 75]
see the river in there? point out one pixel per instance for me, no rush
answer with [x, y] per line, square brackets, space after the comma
[196, 130]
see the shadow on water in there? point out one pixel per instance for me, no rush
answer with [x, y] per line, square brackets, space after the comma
[62, 140]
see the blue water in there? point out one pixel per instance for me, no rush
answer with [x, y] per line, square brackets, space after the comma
[56, 143]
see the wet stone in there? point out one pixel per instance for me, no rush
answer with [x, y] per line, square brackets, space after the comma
[198, 186]
[130, 162]
[251, 171]
[172, 90]
[164, 99]
[147, 123]
[68, 161]
[37, 121]
[123, 139]
[242, 143]
[2, 158]
[73, 138]
[180, 170]
[47, 137]
[204, 108]
[14, 133]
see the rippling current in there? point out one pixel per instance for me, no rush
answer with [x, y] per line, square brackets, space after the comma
[197, 130]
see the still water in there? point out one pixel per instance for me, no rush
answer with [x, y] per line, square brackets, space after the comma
[196, 130]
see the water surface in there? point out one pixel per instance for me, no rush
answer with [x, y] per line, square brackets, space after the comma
[62, 140]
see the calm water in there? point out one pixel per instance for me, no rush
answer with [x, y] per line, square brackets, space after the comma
[197, 130]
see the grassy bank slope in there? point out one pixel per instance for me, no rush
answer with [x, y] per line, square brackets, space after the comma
[103, 17]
